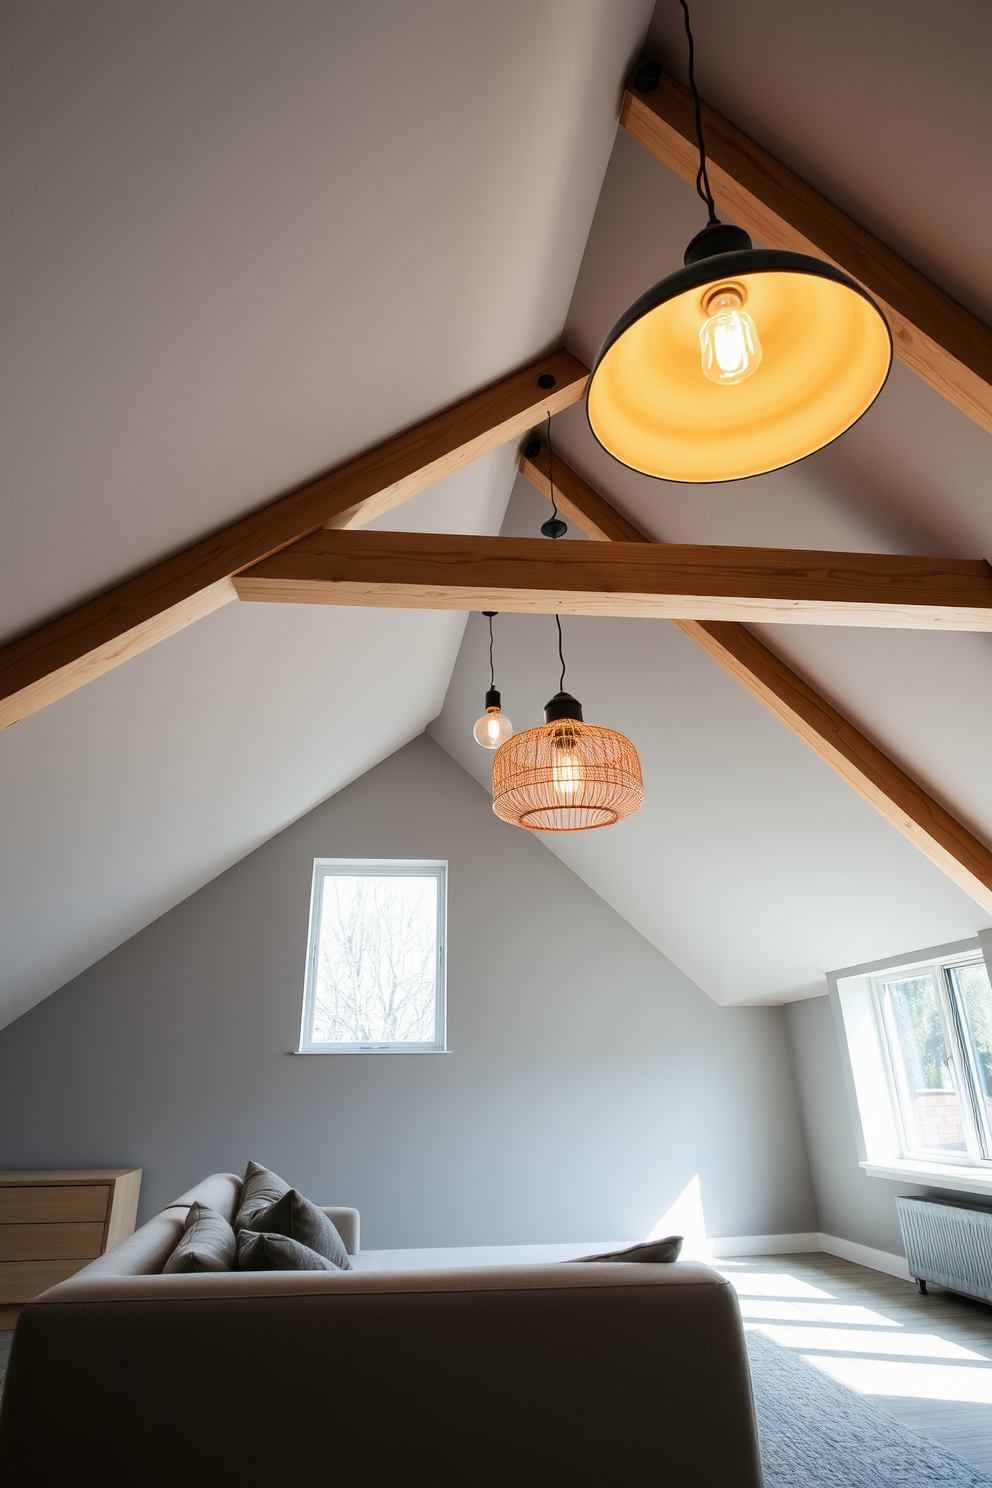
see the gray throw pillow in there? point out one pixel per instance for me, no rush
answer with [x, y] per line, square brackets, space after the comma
[260, 1189]
[207, 1243]
[258, 1251]
[652, 1252]
[295, 1217]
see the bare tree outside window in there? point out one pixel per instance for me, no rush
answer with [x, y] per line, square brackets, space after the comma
[374, 963]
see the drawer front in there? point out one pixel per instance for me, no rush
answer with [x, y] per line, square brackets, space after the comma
[62, 1204]
[50, 1242]
[22, 1280]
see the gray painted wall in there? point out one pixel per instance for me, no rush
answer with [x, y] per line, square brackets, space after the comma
[850, 1204]
[589, 1082]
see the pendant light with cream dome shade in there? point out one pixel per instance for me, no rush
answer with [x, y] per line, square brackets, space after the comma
[743, 361]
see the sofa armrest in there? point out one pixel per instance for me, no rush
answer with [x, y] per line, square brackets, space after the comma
[346, 1222]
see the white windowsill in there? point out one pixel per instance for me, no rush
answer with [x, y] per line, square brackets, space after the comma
[364, 1053]
[933, 1175]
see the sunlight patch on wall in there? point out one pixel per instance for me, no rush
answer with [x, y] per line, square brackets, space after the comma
[685, 1217]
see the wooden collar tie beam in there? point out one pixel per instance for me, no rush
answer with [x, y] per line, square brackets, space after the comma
[896, 796]
[412, 570]
[125, 620]
[933, 335]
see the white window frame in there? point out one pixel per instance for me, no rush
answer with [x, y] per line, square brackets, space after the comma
[324, 868]
[957, 1057]
[883, 1150]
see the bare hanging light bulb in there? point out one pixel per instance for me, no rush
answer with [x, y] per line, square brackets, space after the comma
[729, 338]
[493, 728]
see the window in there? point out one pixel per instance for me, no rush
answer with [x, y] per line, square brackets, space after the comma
[375, 958]
[936, 1022]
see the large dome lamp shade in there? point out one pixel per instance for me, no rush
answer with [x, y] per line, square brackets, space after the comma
[824, 355]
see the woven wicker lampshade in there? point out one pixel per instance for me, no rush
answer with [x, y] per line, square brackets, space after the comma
[567, 776]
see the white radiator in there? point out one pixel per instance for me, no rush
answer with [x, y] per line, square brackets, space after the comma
[949, 1242]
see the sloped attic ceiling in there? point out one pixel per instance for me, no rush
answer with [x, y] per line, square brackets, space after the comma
[248, 239]
[751, 865]
[252, 239]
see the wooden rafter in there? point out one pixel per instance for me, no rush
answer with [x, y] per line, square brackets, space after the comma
[130, 617]
[674, 581]
[878, 779]
[936, 338]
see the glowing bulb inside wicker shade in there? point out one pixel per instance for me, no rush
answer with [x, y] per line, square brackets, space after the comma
[567, 776]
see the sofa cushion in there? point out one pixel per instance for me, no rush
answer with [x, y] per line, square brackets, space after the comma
[207, 1244]
[653, 1252]
[260, 1189]
[259, 1251]
[295, 1217]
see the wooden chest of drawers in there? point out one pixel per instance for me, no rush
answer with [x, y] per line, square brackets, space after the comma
[51, 1224]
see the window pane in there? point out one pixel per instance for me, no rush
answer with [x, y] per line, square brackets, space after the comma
[376, 971]
[973, 997]
[928, 1099]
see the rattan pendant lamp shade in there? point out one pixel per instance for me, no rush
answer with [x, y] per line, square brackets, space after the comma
[568, 776]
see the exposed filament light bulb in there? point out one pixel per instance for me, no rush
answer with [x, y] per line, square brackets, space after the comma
[493, 728]
[729, 339]
[565, 768]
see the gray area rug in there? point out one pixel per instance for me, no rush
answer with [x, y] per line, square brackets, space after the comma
[816, 1433]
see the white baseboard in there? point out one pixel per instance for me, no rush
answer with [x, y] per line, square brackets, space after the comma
[704, 1250]
[798, 1244]
[867, 1255]
[745, 1245]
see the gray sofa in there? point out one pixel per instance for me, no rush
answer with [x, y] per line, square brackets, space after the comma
[567, 1374]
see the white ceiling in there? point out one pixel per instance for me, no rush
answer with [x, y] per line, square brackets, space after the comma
[248, 239]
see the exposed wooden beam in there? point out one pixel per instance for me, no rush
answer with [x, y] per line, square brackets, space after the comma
[878, 779]
[674, 581]
[935, 336]
[130, 617]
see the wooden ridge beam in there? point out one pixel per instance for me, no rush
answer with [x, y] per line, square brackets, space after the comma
[90, 640]
[834, 739]
[674, 581]
[937, 338]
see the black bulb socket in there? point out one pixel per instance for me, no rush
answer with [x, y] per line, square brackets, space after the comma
[492, 698]
[717, 237]
[563, 705]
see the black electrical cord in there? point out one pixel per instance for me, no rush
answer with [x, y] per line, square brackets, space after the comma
[554, 525]
[551, 475]
[702, 179]
[492, 673]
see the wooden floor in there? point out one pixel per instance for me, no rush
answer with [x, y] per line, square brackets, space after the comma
[925, 1360]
